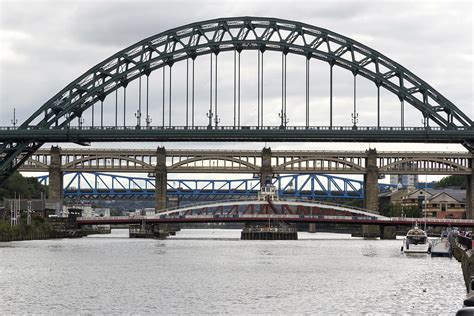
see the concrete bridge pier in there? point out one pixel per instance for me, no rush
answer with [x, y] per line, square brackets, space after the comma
[370, 231]
[266, 171]
[55, 188]
[161, 178]
[371, 192]
[371, 179]
[388, 232]
[146, 230]
[470, 191]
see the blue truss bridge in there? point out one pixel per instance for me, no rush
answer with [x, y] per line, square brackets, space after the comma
[96, 185]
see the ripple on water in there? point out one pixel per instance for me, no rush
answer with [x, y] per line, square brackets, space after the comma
[212, 271]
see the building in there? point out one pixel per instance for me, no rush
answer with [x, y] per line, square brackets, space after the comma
[393, 197]
[445, 203]
[404, 180]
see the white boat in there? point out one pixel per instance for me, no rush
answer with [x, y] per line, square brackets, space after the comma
[416, 241]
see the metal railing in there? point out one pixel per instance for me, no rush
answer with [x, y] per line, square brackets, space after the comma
[206, 127]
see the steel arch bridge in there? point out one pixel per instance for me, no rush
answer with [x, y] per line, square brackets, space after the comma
[52, 122]
[95, 185]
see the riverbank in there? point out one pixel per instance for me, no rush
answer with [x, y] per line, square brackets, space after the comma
[39, 229]
[6, 237]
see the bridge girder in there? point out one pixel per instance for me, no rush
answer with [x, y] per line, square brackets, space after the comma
[247, 161]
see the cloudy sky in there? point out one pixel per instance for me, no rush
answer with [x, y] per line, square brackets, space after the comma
[47, 44]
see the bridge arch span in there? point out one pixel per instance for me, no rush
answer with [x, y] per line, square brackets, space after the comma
[346, 165]
[122, 160]
[244, 33]
[442, 166]
[248, 167]
[241, 207]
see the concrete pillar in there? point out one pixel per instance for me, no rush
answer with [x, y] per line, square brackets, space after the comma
[388, 232]
[266, 171]
[312, 227]
[470, 192]
[55, 188]
[371, 179]
[370, 231]
[161, 178]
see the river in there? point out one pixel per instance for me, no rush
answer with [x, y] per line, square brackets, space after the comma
[212, 271]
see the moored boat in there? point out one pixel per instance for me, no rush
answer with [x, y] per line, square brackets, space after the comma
[416, 241]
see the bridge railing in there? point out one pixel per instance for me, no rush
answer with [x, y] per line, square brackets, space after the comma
[322, 128]
[355, 208]
[110, 218]
[421, 221]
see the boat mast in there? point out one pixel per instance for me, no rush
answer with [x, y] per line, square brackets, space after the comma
[426, 185]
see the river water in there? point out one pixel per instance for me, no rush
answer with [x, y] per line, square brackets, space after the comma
[212, 271]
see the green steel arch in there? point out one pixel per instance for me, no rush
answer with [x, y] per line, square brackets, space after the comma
[229, 34]
[243, 33]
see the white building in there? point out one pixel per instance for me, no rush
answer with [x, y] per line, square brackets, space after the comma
[405, 180]
[103, 211]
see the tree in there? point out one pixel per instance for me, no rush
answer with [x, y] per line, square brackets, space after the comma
[397, 210]
[412, 211]
[452, 181]
[28, 188]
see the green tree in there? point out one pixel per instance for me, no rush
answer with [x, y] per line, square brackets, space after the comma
[397, 210]
[28, 188]
[392, 210]
[452, 181]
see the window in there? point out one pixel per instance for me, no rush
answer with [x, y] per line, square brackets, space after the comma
[433, 214]
[443, 207]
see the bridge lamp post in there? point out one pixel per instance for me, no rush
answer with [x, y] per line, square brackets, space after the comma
[80, 121]
[148, 121]
[138, 115]
[209, 115]
[355, 120]
[284, 119]
[14, 120]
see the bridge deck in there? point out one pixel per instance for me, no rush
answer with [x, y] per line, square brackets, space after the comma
[265, 217]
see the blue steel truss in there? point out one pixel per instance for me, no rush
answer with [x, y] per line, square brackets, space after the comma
[110, 186]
